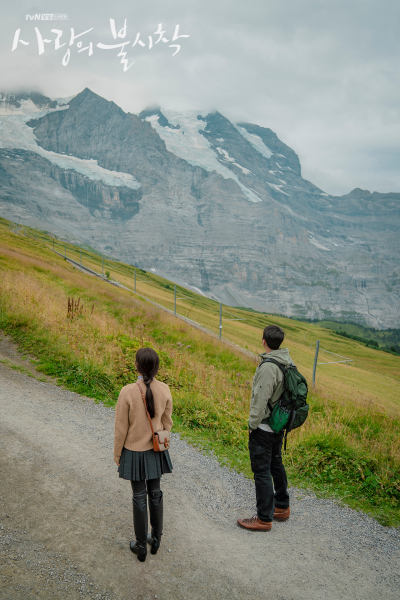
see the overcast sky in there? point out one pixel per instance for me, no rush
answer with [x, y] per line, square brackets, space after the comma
[322, 74]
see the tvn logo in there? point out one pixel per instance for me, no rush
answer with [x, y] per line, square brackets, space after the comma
[47, 17]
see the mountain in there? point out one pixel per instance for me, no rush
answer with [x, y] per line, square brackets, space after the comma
[218, 206]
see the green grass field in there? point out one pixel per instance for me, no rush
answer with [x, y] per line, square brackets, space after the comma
[349, 447]
[387, 340]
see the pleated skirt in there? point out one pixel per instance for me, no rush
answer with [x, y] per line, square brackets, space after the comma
[137, 466]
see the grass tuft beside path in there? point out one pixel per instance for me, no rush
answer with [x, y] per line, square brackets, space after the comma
[349, 447]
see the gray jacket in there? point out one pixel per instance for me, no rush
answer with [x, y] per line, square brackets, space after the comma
[267, 386]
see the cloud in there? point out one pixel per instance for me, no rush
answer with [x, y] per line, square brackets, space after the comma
[323, 75]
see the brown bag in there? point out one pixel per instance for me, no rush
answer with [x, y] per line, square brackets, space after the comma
[161, 439]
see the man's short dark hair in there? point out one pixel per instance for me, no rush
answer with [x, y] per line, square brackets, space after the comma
[274, 336]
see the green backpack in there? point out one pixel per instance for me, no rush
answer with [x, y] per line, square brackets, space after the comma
[291, 410]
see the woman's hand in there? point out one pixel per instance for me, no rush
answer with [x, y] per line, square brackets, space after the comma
[117, 460]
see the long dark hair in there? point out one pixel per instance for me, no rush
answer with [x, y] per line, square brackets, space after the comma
[148, 363]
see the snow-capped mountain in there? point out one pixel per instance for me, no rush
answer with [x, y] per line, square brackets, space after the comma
[217, 205]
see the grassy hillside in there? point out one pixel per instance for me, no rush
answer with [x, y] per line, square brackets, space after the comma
[349, 447]
[387, 340]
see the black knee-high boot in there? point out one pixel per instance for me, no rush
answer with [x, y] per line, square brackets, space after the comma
[139, 546]
[156, 519]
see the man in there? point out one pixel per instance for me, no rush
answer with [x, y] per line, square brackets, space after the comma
[265, 446]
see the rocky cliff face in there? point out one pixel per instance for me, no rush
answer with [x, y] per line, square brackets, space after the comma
[216, 205]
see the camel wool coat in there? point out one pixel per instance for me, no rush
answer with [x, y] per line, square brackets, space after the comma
[132, 427]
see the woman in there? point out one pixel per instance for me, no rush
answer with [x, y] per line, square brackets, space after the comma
[133, 447]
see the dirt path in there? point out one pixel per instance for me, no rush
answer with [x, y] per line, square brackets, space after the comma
[66, 519]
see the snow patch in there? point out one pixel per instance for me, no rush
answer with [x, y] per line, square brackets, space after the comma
[230, 159]
[28, 110]
[317, 244]
[190, 145]
[353, 241]
[244, 170]
[15, 133]
[277, 187]
[225, 154]
[198, 291]
[66, 100]
[255, 141]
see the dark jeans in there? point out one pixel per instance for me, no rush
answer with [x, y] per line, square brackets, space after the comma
[266, 463]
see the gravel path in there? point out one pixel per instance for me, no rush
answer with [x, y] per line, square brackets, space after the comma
[66, 518]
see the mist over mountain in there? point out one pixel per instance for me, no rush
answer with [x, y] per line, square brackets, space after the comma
[218, 206]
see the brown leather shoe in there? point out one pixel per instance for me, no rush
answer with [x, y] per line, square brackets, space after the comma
[255, 524]
[281, 514]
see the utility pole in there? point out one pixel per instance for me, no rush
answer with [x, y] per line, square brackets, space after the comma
[80, 256]
[220, 320]
[102, 266]
[65, 250]
[315, 363]
[175, 300]
[135, 280]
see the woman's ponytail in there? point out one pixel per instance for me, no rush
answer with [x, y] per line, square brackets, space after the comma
[149, 398]
[148, 362]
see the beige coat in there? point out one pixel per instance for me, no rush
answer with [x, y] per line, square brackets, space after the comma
[132, 427]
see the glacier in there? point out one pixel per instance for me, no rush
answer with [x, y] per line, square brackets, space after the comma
[255, 141]
[15, 133]
[188, 143]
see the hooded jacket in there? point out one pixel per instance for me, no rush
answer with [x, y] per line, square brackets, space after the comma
[267, 386]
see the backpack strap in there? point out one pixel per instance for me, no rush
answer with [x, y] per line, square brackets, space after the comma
[282, 368]
[293, 412]
[276, 362]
